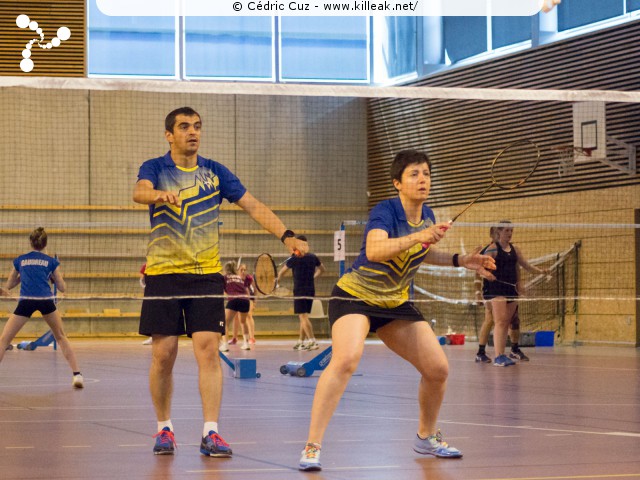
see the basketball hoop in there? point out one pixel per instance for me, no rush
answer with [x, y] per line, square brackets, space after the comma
[568, 155]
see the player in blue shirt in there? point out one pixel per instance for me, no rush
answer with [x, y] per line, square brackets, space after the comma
[373, 296]
[33, 271]
[184, 192]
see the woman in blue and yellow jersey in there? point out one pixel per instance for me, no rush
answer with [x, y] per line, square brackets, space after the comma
[373, 296]
[34, 271]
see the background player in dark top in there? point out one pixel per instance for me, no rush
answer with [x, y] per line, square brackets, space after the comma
[33, 271]
[305, 270]
[501, 296]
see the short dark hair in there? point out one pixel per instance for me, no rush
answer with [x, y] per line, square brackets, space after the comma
[405, 158]
[302, 237]
[38, 239]
[170, 121]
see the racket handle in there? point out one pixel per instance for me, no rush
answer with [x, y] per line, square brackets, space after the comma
[296, 253]
[443, 228]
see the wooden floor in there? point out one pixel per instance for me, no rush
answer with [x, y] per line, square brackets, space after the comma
[570, 413]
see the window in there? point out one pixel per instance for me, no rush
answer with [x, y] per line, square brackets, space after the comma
[229, 47]
[464, 37]
[633, 5]
[324, 48]
[143, 46]
[394, 48]
[577, 13]
[509, 30]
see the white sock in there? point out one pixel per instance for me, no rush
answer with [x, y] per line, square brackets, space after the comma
[208, 426]
[166, 423]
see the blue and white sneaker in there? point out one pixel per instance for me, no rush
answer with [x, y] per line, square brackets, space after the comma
[213, 445]
[482, 358]
[165, 442]
[436, 446]
[503, 361]
[310, 459]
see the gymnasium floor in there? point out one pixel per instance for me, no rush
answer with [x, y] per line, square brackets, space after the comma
[568, 414]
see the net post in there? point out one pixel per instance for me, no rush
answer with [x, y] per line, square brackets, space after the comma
[576, 274]
[343, 227]
[341, 264]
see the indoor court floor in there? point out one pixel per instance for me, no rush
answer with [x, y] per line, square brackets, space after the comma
[570, 413]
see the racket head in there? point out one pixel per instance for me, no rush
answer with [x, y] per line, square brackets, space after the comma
[514, 164]
[265, 274]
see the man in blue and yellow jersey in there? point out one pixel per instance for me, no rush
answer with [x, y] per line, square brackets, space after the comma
[184, 286]
[373, 296]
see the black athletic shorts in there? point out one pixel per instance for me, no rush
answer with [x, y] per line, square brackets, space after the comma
[177, 316]
[492, 290]
[378, 316]
[238, 305]
[26, 308]
[302, 305]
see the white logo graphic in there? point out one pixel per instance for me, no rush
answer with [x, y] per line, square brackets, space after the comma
[23, 21]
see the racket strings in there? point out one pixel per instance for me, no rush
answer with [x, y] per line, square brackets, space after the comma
[265, 274]
[515, 164]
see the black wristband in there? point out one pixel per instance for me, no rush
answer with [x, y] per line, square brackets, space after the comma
[287, 234]
[455, 260]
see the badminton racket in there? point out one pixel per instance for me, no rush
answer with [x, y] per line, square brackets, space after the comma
[511, 168]
[266, 272]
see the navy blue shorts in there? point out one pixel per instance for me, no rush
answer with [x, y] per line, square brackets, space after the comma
[492, 290]
[177, 316]
[241, 305]
[378, 316]
[26, 308]
[302, 305]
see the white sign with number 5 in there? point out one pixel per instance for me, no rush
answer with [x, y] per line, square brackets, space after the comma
[338, 245]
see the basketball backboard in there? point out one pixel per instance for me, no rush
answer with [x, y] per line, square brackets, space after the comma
[590, 136]
[590, 128]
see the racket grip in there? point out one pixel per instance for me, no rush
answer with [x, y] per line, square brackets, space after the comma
[443, 228]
